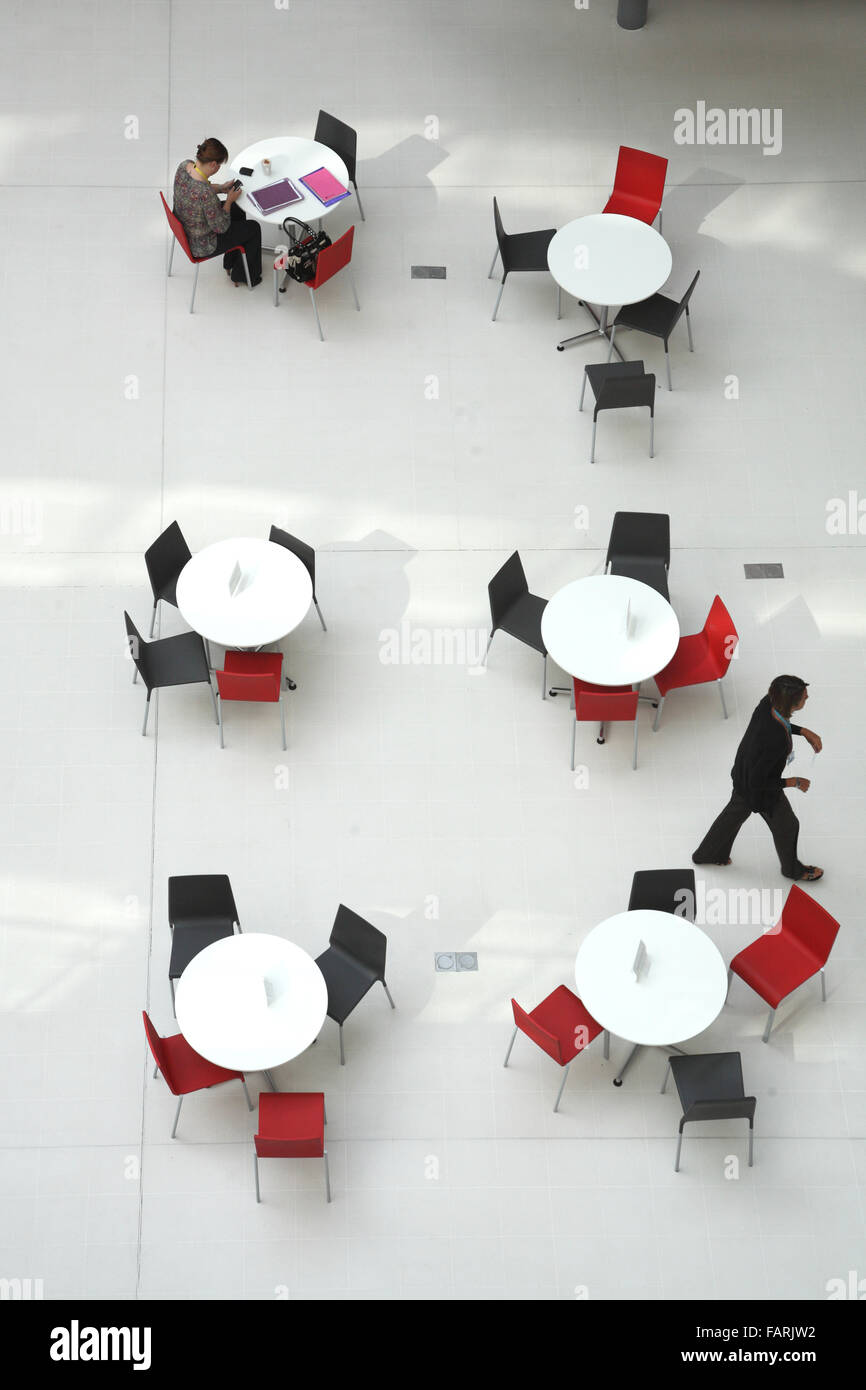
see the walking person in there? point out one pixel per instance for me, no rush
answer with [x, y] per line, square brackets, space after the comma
[766, 749]
[212, 226]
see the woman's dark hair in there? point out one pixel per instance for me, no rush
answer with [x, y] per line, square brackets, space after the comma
[211, 149]
[785, 693]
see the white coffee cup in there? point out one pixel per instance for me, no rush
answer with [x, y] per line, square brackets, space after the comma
[266, 168]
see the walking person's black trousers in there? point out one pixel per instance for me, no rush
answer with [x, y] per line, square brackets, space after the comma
[718, 842]
[248, 234]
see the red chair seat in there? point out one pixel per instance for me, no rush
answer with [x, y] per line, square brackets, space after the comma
[563, 1018]
[251, 676]
[186, 1070]
[774, 966]
[638, 184]
[631, 205]
[588, 688]
[693, 663]
[291, 1124]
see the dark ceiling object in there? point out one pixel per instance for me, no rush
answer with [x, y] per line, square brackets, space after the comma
[631, 14]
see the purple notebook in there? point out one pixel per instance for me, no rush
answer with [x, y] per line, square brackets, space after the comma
[274, 196]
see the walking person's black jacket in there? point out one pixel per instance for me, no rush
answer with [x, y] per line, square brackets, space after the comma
[761, 759]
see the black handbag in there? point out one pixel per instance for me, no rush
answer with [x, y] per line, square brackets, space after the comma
[304, 248]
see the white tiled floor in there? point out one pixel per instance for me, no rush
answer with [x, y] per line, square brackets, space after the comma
[415, 449]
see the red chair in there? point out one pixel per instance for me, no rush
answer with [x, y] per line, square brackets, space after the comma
[331, 260]
[291, 1125]
[183, 1070]
[603, 703]
[788, 954]
[703, 656]
[179, 236]
[561, 1027]
[251, 676]
[638, 185]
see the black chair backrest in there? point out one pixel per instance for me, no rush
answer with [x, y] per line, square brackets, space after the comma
[683, 304]
[664, 890]
[640, 536]
[166, 558]
[359, 939]
[201, 897]
[137, 648]
[340, 138]
[305, 553]
[506, 587]
[500, 231]
[743, 1109]
[618, 392]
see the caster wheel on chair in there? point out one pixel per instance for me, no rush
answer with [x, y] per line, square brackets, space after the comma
[292, 685]
[559, 348]
[617, 1083]
[599, 740]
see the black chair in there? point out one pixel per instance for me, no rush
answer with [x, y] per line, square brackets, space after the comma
[343, 140]
[710, 1087]
[177, 660]
[307, 556]
[165, 559]
[516, 611]
[201, 910]
[616, 386]
[664, 890]
[640, 548]
[352, 964]
[520, 251]
[657, 316]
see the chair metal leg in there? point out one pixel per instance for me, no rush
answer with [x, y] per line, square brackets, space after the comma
[722, 695]
[316, 312]
[498, 297]
[282, 720]
[360, 204]
[660, 221]
[192, 296]
[612, 336]
[214, 698]
[668, 366]
[270, 1080]
[246, 1093]
[823, 985]
[327, 1174]
[176, 1117]
[319, 611]
[751, 1145]
[617, 1080]
[606, 1045]
[582, 392]
[652, 435]
[220, 722]
[276, 288]
[354, 290]
[561, 1089]
[679, 1148]
[487, 648]
[658, 713]
[246, 270]
[634, 758]
[689, 327]
[256, 1170]
[155, 1072]
[134, 673]
[153, 618]
[573, 740]
[388, 992]
[592, 445]
[171, 987]
[146, 713]
[559, 301]
[510, 1045]
[665, 1082]
[171, 253]
[492, 263]
[600, 738]
[730, 977]
[342, 1054]
[544, 678]
[766, 1037]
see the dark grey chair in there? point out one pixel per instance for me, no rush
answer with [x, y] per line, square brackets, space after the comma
[658, 316]
[180, 660]
[165, 559]
[352, 964]
[664, 890]
[710, 1087]
[516, 611]
[307, 556]
[343, 140]
[201, 910]
[640, 548]
[617, 386]
[520, 251]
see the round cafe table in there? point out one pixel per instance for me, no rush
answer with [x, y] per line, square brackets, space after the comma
[250, 1002]
[291, 156]
[584, 630]
[272, 597]
[677, 993]
[607, 259]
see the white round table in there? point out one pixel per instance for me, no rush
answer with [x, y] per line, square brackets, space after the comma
[273, 595]
[680, 990]
[608, 259]
[584, 630]
[251, 1001]
[290, 156]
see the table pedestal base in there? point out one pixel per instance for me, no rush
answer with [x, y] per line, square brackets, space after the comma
[617, 1080]
[600, 332]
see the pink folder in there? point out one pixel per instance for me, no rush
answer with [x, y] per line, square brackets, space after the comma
[324, 186]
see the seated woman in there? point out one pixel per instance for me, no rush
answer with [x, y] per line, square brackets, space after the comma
[212, 226]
